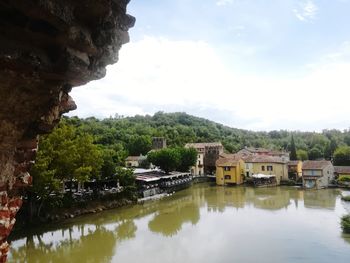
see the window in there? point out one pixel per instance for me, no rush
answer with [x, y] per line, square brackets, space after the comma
[199, 162]
[227, 177]
[269, 168]
[227, 168]
[262, 168]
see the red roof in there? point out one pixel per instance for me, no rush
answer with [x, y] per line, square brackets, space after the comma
[264, 159]
[342, 169]
[315, 165]
[228, 159]
[293, 162]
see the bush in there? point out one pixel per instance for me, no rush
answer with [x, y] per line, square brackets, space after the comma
[346, 198]
[345, 224]
[344, 178]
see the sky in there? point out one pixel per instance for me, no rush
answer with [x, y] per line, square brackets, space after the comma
[250, 64]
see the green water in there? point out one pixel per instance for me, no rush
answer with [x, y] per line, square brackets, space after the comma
[201, 224]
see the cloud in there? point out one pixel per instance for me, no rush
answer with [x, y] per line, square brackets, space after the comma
[159, 74]
[224, 2]
[306, 11]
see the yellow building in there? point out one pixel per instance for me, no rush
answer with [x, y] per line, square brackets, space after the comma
[229, 170]
[295, 170]
[268, 165]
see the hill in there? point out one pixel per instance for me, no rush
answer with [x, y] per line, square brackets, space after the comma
[133, 134]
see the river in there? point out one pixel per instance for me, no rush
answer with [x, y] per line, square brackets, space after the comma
[204, 224]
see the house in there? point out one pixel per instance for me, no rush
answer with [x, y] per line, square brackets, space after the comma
[266, 165]
[229, 170]
[317, 174]
[341, 171]
[198, 169]
[252, 151]
[135, 161]
[208, 153]
[295, 170]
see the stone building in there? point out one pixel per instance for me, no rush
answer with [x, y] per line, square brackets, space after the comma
[249, 151]
[317, 174]
[135, 161]
[208, 153]
[266, 165]
[158, 143]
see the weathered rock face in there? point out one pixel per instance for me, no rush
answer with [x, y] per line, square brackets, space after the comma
[46, 48]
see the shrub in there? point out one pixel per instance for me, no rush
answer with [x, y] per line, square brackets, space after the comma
[345, 224]
[346, 198]
[344, 178]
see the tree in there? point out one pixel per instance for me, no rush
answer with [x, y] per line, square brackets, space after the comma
[167, 159]
[188, 158]
[139, 145]
[125, 176]
[302, 155]
[44, 183]
[293, 151]
[315, 153]
[109, 165]
[342, 156]
[65, 155]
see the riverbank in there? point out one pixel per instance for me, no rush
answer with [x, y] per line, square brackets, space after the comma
[61, 214]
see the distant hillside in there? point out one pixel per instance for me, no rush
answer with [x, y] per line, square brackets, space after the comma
[134, 134]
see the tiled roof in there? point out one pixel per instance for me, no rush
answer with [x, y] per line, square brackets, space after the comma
[135, 158]
[342, 169]
[263, 151]
[203, 144]
[317, 165]
[227, 159]
[293, 162]
[256, 150]
[263, 159]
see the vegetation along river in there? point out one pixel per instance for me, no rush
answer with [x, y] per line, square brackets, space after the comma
[204, 223]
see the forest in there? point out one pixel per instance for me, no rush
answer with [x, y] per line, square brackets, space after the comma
[133, 135]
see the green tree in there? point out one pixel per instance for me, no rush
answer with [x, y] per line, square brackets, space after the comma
[167, 159]
[125, 176]
[342, 156]
[44, 183]
[109, 165]
[293, 151]
[302, 155]
[188, 158]
[315, 153]
[139, 145]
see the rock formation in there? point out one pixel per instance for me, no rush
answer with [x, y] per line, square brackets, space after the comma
[46, 48]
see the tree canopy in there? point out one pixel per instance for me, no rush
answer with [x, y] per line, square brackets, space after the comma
[173, 159]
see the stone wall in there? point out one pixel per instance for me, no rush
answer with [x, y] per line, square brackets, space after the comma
[46, 48]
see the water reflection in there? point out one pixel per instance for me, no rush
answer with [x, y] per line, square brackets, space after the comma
[169, 221]
[325, 198]
[37, 249]
[99, 237]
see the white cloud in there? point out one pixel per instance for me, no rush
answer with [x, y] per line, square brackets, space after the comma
[158, 74]
[224, 2]
[306, 11]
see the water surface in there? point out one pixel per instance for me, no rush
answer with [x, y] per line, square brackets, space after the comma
[201, 224]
